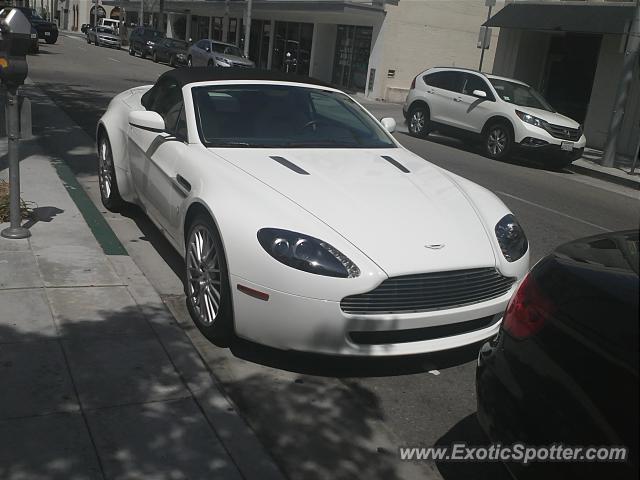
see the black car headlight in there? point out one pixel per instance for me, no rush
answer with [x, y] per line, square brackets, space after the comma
[530, 119]
[511, 238]
[306, 253]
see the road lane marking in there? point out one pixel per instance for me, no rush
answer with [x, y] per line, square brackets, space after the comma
[553, 211]
[113, 59]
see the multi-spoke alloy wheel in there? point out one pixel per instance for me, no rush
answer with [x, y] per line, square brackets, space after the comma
[109, 193]
[418, 122]
[498, 141]
[207, 284]
[203, 275]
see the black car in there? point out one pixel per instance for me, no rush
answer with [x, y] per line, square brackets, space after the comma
[84, 27]
[172, 51]
[143, 40]
[47, 31]
[564, 367]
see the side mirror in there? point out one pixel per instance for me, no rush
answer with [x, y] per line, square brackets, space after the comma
[389, 124]
[147, 120]
[479, 93]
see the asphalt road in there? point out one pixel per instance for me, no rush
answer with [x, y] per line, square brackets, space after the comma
[324, 417]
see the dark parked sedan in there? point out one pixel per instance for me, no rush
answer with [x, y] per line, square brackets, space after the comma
[172, 51]
[564, 368]
[143, 40]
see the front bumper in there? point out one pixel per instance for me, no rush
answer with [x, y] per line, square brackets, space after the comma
[552, 151]
[108, 42]
[292, 322]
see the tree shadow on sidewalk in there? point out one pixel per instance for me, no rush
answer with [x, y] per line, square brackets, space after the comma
[144, 422]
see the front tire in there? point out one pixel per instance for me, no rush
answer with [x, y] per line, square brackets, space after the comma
[109, 193]
[189, 62]
[498, 141]
[207, 288]
[419, 121]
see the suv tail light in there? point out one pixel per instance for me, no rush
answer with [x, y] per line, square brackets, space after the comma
[528, 310]
[413, 83]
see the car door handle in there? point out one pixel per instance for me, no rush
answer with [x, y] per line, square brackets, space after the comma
[457, 99]
[180, 180]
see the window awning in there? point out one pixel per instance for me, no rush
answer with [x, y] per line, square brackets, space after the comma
[584, 18]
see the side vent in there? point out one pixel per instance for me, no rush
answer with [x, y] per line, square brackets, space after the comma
[290, 165]
[396, 164]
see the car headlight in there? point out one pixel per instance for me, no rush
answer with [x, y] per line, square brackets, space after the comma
[511, 238]
[150, 43]
[306, 253]
[530, 119]
[181, 56]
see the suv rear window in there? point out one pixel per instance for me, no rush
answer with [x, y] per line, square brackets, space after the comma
[445, 80]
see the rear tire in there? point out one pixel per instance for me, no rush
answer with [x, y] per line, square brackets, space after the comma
[498, 140]
[207, 288]
[418, 121]
[109, 193]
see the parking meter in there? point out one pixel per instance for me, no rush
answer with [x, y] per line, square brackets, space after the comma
[15, 39]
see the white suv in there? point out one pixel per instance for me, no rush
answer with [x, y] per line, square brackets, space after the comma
[505, 113]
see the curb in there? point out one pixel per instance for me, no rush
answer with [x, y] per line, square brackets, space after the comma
[625, 182]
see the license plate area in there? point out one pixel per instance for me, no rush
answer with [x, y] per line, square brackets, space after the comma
[46, 34]
[566, 146]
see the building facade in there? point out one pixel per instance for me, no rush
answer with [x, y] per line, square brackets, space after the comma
[572, 51]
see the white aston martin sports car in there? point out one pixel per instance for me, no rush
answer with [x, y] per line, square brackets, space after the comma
[303, 223]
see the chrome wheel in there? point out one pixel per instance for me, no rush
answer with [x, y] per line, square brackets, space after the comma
[204, 279]
[497, 141]
[105, 169]
[416, 124]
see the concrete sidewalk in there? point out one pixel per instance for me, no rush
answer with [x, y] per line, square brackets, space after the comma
[97, 379]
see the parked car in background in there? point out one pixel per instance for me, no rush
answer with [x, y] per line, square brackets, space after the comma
[171, 51]
[506, 114]
[103, 37]
[209, 53]
[143, 40]
[109, 22]
[564, 367]
[47, 31]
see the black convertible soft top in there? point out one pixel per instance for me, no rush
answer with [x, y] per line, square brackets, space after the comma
[184, 76]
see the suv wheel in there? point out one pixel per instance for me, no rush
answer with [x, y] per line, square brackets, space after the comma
[418, 120]
[498, 140]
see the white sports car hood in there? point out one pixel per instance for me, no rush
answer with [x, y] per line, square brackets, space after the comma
[412, 222]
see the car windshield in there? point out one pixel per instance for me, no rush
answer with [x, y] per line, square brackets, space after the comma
[153, 34]
[226, 49]
[105, 30]
[266, 116]
[520, 94]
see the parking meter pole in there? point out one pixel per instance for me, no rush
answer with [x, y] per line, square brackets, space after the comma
[484, 40]
[15, 229]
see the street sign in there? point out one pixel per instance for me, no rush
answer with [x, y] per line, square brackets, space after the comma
[484, 38]
[489, 3]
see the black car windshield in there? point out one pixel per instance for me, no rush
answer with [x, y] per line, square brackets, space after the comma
[227, 49]
[266, 116]
[520, 94]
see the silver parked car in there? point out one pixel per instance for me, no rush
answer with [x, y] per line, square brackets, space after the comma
[103, 36]
[209, 53]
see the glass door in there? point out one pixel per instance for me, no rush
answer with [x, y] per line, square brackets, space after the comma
[351, 60]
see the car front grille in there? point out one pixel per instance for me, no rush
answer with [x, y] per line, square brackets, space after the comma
[429, 291]
[240, 65]
[564, 133]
